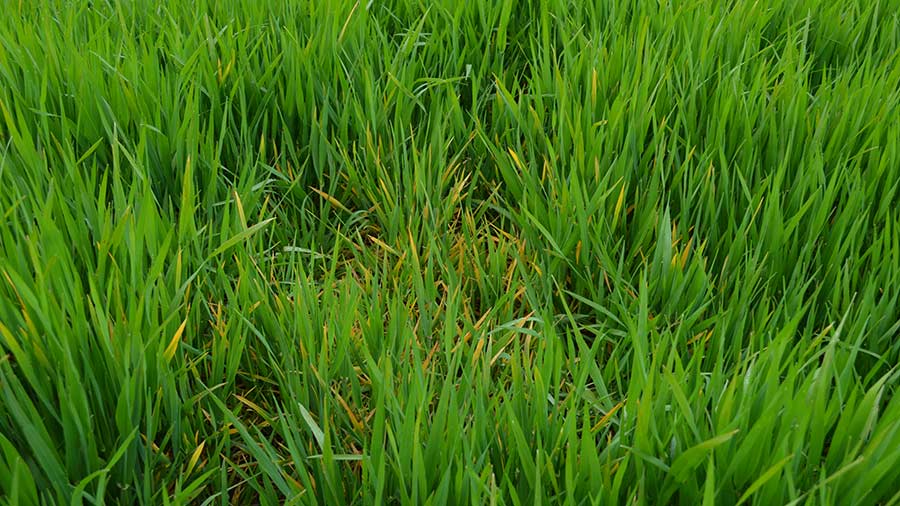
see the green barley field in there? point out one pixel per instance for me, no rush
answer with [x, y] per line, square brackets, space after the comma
[604, 252]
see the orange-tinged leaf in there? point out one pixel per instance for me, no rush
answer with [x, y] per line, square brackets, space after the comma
[607, 416]
[478, 348]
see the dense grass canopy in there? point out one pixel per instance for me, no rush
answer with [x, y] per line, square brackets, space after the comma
[450, 252]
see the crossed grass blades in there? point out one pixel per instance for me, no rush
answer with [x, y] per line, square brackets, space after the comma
[457, 252]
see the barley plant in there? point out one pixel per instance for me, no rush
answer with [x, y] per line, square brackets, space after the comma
[452, 252]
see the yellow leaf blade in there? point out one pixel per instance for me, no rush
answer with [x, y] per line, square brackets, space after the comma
[173, 344]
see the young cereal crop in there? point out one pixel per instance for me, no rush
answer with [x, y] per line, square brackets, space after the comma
[450, 252]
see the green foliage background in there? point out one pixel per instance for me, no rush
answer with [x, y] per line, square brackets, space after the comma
[455, 252]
